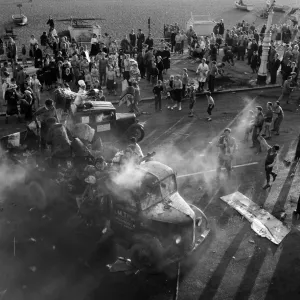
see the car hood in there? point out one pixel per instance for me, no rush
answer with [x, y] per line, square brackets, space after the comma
[125, 116]
[171, 210]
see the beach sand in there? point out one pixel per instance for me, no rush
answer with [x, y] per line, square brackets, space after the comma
[122, 15]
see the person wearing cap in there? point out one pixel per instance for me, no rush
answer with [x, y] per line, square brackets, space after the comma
[286, 90]
[202, 72]
[12, 101]
[81, 95]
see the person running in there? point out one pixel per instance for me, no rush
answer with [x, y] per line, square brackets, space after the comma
[270, 161]
[228, 147]
[211, 105]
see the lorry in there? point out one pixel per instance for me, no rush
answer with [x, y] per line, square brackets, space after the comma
[147, 216]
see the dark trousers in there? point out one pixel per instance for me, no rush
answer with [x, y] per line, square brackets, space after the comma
[269, 172]
[211, 83]
[210, 108]
[142, 70]
[157, 100]
[255, 133]
[273, 77]
[183, 90]
[102, 78]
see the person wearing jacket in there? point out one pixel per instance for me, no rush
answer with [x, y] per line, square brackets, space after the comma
[140, 40]
[12, 51]
[59, 138]
[157, 91]
[177, 86]
[257, 128]
[213, 71]
[102, 69]
[274, 66]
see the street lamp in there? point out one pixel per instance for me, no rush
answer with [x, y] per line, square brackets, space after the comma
[263, 70]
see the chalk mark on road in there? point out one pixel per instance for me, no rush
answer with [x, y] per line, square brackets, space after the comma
[210, 171]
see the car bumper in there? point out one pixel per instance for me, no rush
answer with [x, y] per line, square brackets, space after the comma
[201, 232]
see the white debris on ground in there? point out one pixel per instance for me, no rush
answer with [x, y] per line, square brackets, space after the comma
[262, 222]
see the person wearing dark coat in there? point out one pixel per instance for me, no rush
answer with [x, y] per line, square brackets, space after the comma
[132, 38]
[160, 67]
[50, 22]
[140, 40]
[221, 27]
[141, 64]
[254, 62]
[241, 50]
[12, 101]
[274, 66]
[38, 57]
[166, 58]
[149, 41]
[173, 42]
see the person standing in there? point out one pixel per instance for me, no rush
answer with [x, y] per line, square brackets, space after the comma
[279, 115]
[36, 87]
[157, 91]
[140, 40]
[12, 51]
[286, 90]
[213, 71]
[185, 80]
[102, 69]
[274, 66]
[132, 38]
[228, 147]
[269, 164]
[257, 128]
[221, 28]
[50, 22]
[38, 57]
[210, 105]
[268, 121]
[192, 96]
[202, 72]
[177, 85]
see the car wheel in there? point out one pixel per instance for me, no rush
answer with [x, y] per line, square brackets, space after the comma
[137, 132]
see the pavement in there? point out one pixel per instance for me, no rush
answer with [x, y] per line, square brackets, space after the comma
[233, 263]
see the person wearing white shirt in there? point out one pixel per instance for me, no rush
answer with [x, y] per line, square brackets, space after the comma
[81, 95]
[202, 72]
[36, 87]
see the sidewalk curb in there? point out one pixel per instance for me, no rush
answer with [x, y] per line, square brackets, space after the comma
[148, 99]
[273, 86]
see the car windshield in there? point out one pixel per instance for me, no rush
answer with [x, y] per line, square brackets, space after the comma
[168, 186]
[149, 193]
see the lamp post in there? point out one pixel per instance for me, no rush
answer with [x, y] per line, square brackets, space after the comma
[263, 71]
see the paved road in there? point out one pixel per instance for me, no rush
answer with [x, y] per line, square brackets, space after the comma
[233, 263]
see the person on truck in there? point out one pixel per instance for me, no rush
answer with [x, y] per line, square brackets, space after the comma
[42, 114]
[59, 138]
[81, 95]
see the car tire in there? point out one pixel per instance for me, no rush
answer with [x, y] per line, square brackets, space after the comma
[136, 131]
[146, 255]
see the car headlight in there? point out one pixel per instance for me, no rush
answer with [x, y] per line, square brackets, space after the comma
[198, 222]
[177, 239]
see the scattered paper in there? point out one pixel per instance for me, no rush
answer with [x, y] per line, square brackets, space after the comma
[262, 222]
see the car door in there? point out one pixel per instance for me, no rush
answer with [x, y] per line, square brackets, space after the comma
[104, 124]
[124, 221]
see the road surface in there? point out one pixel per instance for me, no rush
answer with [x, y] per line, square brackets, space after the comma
[233, 263]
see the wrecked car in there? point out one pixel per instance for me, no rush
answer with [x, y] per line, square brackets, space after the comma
[148, 216]
[109, 124]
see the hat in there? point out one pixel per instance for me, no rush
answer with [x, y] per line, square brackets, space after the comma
[81, 83]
